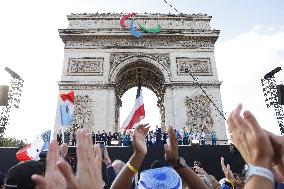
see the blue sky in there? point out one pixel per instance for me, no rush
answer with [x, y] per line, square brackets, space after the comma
[251, 43]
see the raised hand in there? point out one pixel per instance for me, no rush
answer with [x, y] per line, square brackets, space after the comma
[124, 178]
[89, 164]
[227, 170]
[248, 137]
[106, 157]
[53, 178]
[200, 171]
[230, 176]
[171, 149]
[171, 157]
[139, 136]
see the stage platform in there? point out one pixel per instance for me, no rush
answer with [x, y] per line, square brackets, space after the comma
[208, 155]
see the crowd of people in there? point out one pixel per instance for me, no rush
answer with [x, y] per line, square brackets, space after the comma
[154, 138]
[261, 150]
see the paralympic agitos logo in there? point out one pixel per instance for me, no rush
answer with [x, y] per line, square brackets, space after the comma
[132, 29]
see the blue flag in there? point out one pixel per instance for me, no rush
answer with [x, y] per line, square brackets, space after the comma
[66, 114]
[46, 138]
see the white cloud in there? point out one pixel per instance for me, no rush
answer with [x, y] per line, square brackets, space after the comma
[242, 62]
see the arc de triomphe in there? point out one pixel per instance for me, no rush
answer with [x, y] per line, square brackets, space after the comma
[102, 61]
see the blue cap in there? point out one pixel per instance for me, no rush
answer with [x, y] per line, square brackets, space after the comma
[159, 178]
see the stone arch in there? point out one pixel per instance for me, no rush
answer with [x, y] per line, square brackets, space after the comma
[120, 60]
[126, 76]
[101, 57]
[149, 76]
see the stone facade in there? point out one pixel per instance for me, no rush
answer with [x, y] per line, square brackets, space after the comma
[102, 61]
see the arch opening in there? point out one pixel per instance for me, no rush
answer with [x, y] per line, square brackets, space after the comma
[152, 113]
[149, 76]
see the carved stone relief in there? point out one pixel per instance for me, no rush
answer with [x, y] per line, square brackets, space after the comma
[83, 115]
[105, 42]
[199, 113]
[85, 66]
[117, 58]
[195, 66]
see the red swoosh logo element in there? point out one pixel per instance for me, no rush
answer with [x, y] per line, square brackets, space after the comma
[122, 20]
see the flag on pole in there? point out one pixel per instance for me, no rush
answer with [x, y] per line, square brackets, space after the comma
[137, 113]
[32, 150]
[67, 108]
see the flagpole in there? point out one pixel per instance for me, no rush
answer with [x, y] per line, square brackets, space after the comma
[66, 115]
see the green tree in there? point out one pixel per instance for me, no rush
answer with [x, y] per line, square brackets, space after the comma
[13, 142]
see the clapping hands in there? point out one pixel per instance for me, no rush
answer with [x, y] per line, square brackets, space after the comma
[59, 173]
[249, 138]
[257, 146]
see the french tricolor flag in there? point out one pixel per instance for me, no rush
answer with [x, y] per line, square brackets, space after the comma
[32, 150]
[66, 108]
[137, 113]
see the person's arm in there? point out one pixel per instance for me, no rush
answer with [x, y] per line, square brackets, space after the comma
[227, 171]
[229, 174]
[109, 168]
[253, 144]
[110, 174]
[171, 156]
[278, 161]
[213, 182]
[256, 182]
[124, 178]
[191, 178]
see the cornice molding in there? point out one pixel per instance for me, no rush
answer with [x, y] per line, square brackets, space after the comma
[121, 32]
[83, 85]
[174, 84]
[147, 42]
[148, 15]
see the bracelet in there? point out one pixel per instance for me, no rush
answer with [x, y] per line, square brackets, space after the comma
[135, 171]
[259, 171]
[230, 182]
